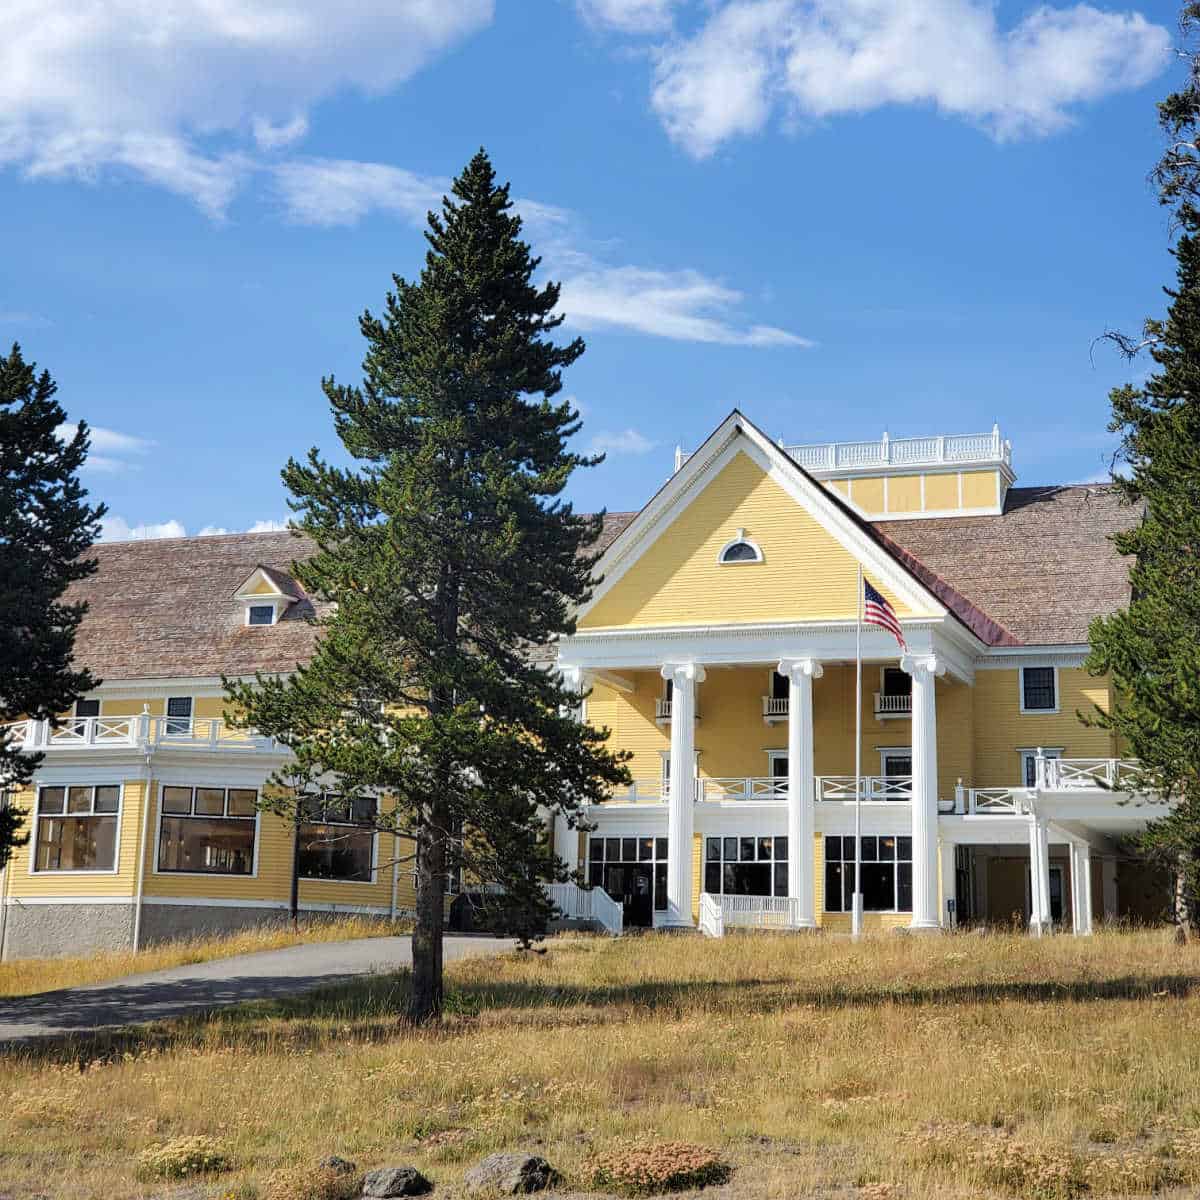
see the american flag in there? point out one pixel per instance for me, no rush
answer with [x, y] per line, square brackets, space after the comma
[877, 611]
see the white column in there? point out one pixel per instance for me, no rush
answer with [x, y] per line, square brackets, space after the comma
[566, 838]
[1039, 877]
[800, 673]
[683, 677]
[924, 669]
[1085, 862]
[1081, 898]
[949, 878]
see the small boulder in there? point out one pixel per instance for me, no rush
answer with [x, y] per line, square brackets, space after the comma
[395, 1181]
[339, 1166]
[510, 1175]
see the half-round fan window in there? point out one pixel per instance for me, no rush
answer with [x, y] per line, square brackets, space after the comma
[740, 550]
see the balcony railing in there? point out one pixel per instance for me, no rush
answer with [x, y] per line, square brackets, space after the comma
[873, 787]
[76, 733]
[887, 705]
[941, 450]
[775, 708]
[1083, 774]
[662, 709]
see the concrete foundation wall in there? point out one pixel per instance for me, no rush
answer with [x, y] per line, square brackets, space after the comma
[170, 922]
[58, 930]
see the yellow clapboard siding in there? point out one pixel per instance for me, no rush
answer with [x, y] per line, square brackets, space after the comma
[904, 494]
[806, 574]
[132, 708]
[941, 492]
[867, 494]
[980, 489]
[697, 873]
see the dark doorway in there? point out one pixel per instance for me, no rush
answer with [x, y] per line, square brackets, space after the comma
[632, 886]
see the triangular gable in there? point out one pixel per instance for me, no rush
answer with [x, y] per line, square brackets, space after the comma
[663, 570]
[267, 583]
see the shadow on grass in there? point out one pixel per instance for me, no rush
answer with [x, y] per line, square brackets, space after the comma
[370, 1009]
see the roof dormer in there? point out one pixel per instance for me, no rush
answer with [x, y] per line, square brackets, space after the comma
[266, 595]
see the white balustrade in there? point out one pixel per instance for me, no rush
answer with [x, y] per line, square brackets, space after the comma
[873, 787]
[775, 706]
[587, 904]
[1081, 774]
[893, 706]
[712, 921]
[104, 732]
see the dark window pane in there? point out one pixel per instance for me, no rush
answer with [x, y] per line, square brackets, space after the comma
[1038, 683]
[645, 849]
[629, 849]
[1030, 770]
[887, 849]
[108, 798]
[833, 886]
[177, 800]
[781, 879]
[779, 766]
[779, 686]
[79, 800]
[870, 849]
[740, 552]
[336, 852]
[746, 852]
[879, 887]
[660, 848]
[660, 885]
[612, 850]
[904, 848]
[261, 614]
[712, 849]
[76, 844]
[728, 878]
[712, 877]
[595, 849]
[213, 847]
[51, 800]
[904, 887]
[363, 810]
[731, 845]
[781, 848]
[833, 848]
[896, 682]
[210, 802]
[751, 879]
[87, 708]
[848, 886]
[180, 708]
[596, 874]
[764, 849]
[897, 765]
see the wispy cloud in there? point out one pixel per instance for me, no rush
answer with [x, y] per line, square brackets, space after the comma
[816, 59]
[118, 529]
[626, 441]
[17, 317]
[629, 16]
[110, 451]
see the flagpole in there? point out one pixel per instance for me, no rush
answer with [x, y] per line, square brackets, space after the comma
[856, 910]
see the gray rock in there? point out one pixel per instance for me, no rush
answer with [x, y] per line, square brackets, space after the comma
[339, 1166]
[396, 1181]
[510, 1174]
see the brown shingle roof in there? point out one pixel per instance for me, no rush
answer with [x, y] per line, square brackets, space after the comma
[1042, 570]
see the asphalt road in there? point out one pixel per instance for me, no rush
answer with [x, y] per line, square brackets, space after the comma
[202, 987]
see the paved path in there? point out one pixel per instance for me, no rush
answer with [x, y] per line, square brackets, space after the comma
[201, 987]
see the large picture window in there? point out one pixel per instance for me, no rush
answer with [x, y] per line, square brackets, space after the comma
[886, 874]
[207, 830]
[746, 866]
[633, 871]
[337, 839]
[77, 828]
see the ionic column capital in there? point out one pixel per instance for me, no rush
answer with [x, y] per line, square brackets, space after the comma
[922, 665]
[682, 673]
[795, 668]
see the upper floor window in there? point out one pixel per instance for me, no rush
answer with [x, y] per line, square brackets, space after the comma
[337, 838]
[179, 715]
[740, 550]
[1029, 764]
[77, 828]
[260, 614]
[87, 708]
[896, 682]
[1039, 689]
[207, 830]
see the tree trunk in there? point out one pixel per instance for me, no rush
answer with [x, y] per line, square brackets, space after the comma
[425, 1003]
[1184, 915]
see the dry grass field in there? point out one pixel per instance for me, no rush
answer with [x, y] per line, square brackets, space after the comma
[956, 1067]
[27, 976]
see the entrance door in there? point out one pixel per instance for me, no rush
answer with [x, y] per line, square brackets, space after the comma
[631, 885]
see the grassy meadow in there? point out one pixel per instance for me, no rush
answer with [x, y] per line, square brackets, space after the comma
[967, 1066]
[25, 977]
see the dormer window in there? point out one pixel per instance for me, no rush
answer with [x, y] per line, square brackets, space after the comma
[266, 595]
[740, 550]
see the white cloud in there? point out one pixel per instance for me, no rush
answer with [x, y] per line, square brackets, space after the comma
[178, 93]
[681, 305]
[324, 191]
[629, 16]
[627, 441]
[821, 58]
[267, 527]
[110, 451]
[213, 531]
[117, 529]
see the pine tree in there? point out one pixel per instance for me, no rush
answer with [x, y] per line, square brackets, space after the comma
[1152, 648]
[450, 556]
[46, 527]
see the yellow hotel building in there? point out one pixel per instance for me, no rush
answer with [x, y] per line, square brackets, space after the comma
[719, 649]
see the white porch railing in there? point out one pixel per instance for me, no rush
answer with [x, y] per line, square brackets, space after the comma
[1080, 774]
[893, 706]
[75, 733]
[888, 451]
[712, 920]
[982, 802]
[753, 787]
[587, 904]
[874, 787]
[775, 707]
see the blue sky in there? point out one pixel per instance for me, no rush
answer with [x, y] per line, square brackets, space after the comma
[841, 216]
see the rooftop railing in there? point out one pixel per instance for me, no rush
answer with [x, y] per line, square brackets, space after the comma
[77, 733]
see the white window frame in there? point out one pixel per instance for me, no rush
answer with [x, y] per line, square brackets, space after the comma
[374, 850]
[885, 752]
[1038, 712]
[272, 605]
[115, 869]
[190, 718]
[226, 787]
[665, 768]
[772, 755]
[740, 540]
[867, 862]
[1030, 752]
[87, 700]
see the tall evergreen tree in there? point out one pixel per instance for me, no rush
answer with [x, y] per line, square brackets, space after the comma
[46, 528]
[1152, 648]
[449, 556]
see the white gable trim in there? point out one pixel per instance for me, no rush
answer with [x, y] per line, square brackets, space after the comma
[733, 436]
